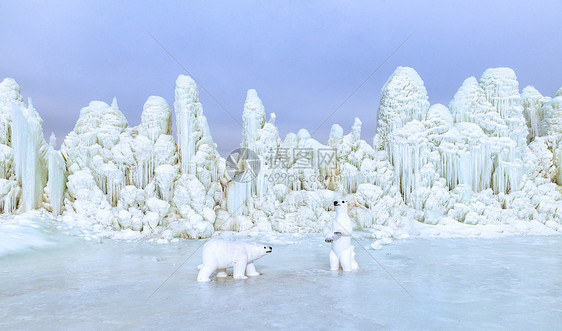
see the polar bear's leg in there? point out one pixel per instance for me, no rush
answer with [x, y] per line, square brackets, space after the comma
[354, 264]
[251, 270]
[221, 273]
[346, 259]
[334, 261]
[239, 268]
[204, 273]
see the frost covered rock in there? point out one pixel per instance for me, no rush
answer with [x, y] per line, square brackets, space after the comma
[156, 118]
[551, 123]
[471, 105]
[533, 101]
[502, 91]
[403, 98]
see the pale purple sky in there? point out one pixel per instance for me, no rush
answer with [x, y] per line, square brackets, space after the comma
[304, 58]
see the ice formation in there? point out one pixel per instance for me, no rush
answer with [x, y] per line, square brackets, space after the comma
[493, 156]
[533, 101]
[123, 178]
[57, 178]
[403, 99]
[24, 151]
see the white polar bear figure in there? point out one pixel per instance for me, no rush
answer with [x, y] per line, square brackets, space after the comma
[342, 252]
[220, 254]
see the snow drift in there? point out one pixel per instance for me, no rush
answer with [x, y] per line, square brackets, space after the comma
[492, 156]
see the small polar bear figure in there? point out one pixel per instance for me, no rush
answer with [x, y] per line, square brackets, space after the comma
[342, 252]
[219, 254]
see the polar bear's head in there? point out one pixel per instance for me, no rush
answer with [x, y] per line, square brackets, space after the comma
[259, 251]
[341, 205]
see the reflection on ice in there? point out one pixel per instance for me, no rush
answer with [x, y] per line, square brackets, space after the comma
[20, 234]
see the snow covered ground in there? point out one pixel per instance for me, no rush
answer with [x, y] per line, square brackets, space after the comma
[64, 281]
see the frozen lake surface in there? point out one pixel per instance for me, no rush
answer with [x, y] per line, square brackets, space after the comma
[63, 281]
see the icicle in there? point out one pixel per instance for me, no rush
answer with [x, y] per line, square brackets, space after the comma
[143, 172]
[408, 151]
[31, 172]
[187, 108]
[532, 104]
[508, 167]
[472, 167]
[6, 161]
[558, 161]
[552, 121]
[238, 194]
[11, 196]
[253, 119]
[502, 91]
[57, 178]
[350, 179]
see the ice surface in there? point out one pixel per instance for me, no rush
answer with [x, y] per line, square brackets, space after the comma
[24, 234]
[473, 283]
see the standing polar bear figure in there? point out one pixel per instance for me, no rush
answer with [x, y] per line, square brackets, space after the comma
[220, 254]
[342, 253]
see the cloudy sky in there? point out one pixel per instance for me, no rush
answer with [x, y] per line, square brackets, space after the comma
[304, 58]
